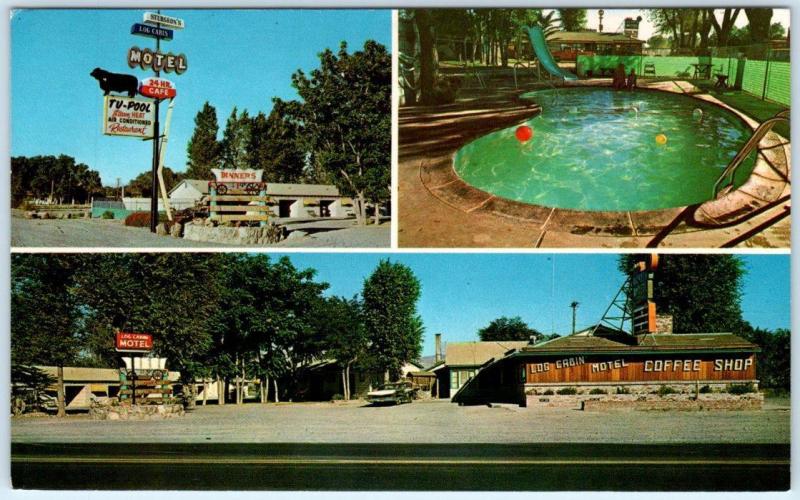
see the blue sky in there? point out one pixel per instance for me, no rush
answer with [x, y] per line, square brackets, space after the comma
[464, 292]
[240, 58]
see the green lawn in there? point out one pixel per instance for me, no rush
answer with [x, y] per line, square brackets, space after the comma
[749, 104]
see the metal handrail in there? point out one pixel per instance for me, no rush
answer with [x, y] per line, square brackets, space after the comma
[744, 152]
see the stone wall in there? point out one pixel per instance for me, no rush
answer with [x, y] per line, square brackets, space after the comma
[115, 411]
[637, 388]
[680, 402]
[199, 230]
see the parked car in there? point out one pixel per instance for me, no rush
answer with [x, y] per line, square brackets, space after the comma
[392, 393]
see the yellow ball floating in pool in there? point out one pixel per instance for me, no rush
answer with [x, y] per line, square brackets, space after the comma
[661, 139]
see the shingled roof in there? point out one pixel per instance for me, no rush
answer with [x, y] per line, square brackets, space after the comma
[642, 344]
[591, 37]
[478, 353]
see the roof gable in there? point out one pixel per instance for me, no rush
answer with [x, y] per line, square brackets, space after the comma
[478, 353]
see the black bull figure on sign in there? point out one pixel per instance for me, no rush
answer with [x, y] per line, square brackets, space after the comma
[115, 82]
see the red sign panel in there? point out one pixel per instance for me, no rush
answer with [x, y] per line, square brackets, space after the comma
[158, 88]
[134, 342]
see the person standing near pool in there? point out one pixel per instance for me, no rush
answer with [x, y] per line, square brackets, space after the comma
[631, 83]
[618, 83]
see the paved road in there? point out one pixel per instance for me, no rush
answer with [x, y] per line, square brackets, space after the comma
[402, 467]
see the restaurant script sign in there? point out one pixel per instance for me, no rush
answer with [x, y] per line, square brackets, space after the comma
[128, 116]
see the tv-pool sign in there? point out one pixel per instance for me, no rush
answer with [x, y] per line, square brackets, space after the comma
[134, 342]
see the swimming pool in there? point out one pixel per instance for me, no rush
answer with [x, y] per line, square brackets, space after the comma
[596, 150]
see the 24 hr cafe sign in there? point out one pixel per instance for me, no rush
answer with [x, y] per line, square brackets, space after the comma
[157, 88]
[134, 342]
[127, 116]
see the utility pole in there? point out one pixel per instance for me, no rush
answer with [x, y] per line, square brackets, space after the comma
[574, 305]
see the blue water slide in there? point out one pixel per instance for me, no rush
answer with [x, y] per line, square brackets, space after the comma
[545, 57]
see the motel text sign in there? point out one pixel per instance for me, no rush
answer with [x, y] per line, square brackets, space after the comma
[134, 342]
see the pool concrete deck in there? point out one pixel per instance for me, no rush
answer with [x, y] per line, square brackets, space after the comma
[438, 209]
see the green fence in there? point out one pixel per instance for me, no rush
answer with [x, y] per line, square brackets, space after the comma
[764, 79]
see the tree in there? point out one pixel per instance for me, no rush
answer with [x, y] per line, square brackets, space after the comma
[342, 334]
[44, 314]
[56, 178]
[203, 149]
[141, 184]
[394, 330]
[723, 30]
[170, 295]
[572, 19]
[345, 121]
[702, 292]
[759, 24]
[504, 328]
[235, 137]
[773, 368]
[275, 147]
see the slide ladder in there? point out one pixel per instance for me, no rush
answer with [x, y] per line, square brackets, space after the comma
[729, 173]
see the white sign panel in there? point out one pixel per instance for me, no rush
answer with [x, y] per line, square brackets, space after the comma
[238, 175]
[164, 21]
[128, 116]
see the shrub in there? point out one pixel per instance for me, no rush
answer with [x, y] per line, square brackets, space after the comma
[665, 389]
[567, 391]
[597, 390]
[138, 219]
[741, 388]
[337, 397]
[142, 219]
[623, 390]
[548, 392]
[108, 214]
[706, 389]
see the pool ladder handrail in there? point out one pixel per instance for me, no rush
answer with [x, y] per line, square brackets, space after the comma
[744, 152]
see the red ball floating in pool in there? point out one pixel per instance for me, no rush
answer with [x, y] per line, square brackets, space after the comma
[524, 133]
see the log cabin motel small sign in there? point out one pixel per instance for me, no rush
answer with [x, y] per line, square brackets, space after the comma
[127, 116]
[134, 342]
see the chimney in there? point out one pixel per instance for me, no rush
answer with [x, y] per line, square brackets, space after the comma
[663, 323]
[438, 348]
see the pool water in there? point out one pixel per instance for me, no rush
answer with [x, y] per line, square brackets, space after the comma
[596, 149]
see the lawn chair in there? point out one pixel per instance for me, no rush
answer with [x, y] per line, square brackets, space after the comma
[649, 69]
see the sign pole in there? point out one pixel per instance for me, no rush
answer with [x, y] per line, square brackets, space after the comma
[133, 379]
[154, 168]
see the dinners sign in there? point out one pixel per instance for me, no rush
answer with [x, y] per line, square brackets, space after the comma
[127, 116]
[238, 175]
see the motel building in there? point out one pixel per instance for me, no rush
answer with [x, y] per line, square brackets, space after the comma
[614, 365]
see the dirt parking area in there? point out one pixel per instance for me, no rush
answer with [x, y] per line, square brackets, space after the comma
[420, 422]
[114, 234]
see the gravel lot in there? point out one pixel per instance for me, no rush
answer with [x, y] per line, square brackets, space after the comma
[420, 422]
[114, 234]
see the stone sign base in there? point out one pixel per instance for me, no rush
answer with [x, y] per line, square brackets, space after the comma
[135, 412]
[207, 232]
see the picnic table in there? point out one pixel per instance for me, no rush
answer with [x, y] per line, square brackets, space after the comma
[722, 81]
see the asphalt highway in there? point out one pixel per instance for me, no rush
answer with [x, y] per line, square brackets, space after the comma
[492, 467]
